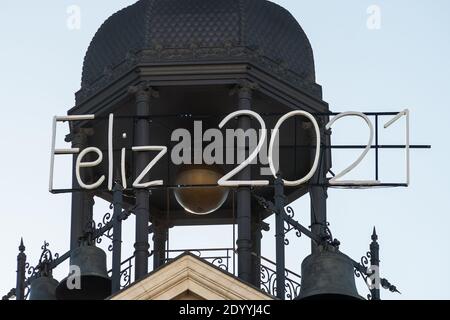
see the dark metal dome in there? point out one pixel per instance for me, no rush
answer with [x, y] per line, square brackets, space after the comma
[186, 31]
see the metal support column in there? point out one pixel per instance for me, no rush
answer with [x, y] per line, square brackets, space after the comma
[279, 237]
[375, 265]
[243, 214]
[21, 262]
[256, 248]
[117, 237]
[142, 94]
[82, 201]
[318, 194]
[159, 244]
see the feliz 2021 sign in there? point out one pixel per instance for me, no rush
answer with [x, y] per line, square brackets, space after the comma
[227, 179]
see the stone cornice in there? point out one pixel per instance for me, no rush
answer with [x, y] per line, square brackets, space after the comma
[197, 56]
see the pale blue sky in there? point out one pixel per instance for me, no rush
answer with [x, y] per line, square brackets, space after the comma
[403, 64]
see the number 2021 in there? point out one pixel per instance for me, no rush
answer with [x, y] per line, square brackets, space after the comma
[336, 180]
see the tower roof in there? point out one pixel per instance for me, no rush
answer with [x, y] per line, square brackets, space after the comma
[199, 31]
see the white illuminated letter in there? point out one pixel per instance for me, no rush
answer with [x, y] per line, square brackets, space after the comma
[390, 123]
[52, 155]
[224, 180]
[55, 151]
[122, 168]
[272, 143]
[90, 164]
[141, 185]
[334, 180]
[110, 151]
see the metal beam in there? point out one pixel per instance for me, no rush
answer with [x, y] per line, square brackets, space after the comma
[117, 238]
[82, 201]
[243, 194]
[142, 94]
[279, 236]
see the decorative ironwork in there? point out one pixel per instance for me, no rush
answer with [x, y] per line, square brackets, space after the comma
[269, 280]
[273, 275]
[265, 204]
[126, 271]
[31, 270]
[288, 227]
[365, 260]
[220, 261]
[47, 256]
[43, 268]
[125, 274]
[388, 286]
[363, 270]
[27, 292]
[11, 294]
[328, 233]
[106, 222]
[105, 228]
[292, 288]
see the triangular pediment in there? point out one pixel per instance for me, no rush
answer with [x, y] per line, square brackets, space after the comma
[190, 278]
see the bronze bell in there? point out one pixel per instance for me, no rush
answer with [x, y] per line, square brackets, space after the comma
[94, 283]
[43, 288]
[328, 274]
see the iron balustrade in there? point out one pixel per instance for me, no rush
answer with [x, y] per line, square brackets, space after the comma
[269, 280]
[274, 280]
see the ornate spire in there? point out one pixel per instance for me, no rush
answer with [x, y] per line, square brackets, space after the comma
[21, 246]
[374, 235]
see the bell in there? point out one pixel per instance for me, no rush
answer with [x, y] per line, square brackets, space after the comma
[43, 288]
[328, 274]
[92, 282]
